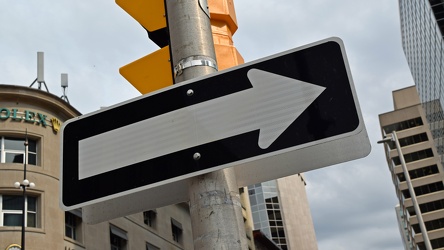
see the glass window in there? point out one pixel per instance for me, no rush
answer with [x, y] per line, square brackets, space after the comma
[73, 224]
[429, 188]
[151, 247]
[420, 172]
[149, 217]
[432, 206]
[118, 238]
[437, 243]
[403, 125]
[253, 200]
[176, 229]
[70, 226]
[414, 156]
[434, 224]
[31, 213]
[11, 210]
[275, 221]
[410, 140]
[13, 150]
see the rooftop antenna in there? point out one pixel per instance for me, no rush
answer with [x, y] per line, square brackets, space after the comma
[64, 83]
[40, 72]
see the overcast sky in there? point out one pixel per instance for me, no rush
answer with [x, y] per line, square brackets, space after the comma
[353, 203]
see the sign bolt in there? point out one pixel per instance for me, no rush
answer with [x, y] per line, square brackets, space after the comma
[190, 92]
[196, 156]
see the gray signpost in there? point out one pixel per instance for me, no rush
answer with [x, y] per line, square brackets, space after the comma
[215, 209]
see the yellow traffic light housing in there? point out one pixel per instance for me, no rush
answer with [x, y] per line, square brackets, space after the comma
[153, 71]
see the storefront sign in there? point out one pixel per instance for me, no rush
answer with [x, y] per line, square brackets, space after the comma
[29, 116]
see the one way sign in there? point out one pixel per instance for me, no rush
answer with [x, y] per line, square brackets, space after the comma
[282, 115]
[202, 123]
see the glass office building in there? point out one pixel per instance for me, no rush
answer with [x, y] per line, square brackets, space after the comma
[266, 211]
[422, 25]
[280, 210]
[38, 116]
[422, 29]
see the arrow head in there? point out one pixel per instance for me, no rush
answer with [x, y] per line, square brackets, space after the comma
[283, 98]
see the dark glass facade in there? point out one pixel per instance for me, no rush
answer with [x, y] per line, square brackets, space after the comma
[422, 25]
[266, 211]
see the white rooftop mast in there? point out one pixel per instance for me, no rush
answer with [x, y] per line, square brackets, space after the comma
[40, 72]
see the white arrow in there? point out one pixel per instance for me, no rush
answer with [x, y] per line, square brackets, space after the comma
[271, 106]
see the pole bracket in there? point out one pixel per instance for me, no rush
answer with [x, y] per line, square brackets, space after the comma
[193, 61]
[204, 6]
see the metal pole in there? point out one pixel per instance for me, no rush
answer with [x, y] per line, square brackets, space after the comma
[215, 209]
[23, 219]
[422, 226]
[24, 192]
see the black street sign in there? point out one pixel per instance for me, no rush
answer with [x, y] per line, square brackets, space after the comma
[281, 115]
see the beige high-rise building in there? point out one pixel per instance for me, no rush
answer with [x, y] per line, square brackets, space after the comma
[424, 166]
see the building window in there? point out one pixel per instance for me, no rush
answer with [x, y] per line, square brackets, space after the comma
[434, 117]
[420, 172]
[276, 222]
[73, 224]
[118, 238]
[434, 224]
[149, 217]
[406, 194]
[11, 210]
[429, 188]
[437, 133]
[410, 140]
[432, 206]
[12, 150]
[403, 125]
[415, 156]
[437, 243]
[151, 247]
[176, 229]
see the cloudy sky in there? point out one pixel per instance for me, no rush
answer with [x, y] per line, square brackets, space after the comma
[352, 203]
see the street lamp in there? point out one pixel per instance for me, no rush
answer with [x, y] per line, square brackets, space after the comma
[422, 226]
[25, 184]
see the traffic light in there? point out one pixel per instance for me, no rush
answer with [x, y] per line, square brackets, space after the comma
[224, 25]
[154, 71]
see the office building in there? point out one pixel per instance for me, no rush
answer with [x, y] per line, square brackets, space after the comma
[408, 120]
[422, 26]
[38, 115]
[280, 211]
